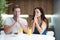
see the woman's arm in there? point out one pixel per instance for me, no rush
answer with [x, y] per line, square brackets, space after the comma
[32, 25]
[42, 28]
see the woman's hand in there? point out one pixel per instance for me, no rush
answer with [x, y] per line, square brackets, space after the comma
[35, 19]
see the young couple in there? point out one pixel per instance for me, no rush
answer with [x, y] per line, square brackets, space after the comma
[39, 23]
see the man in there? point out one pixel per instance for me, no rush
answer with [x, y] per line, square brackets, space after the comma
[12, 25]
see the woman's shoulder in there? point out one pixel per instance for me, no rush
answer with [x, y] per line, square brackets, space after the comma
[32, 21]
[44, 22]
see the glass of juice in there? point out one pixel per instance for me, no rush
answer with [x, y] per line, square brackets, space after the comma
[20, 30]
[29, 31]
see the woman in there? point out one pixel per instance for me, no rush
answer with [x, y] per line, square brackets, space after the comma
[39, 22]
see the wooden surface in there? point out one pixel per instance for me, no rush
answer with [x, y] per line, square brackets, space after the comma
[27, 6]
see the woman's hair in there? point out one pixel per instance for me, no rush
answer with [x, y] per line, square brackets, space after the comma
[42, 15]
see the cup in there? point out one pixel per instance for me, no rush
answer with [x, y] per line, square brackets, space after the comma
[20, 30]
[29, 31]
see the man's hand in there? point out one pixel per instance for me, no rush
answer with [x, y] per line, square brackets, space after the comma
[18, 20]
[22, 25]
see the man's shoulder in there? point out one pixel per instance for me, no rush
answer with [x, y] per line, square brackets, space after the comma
[8, 19]
[22, 19]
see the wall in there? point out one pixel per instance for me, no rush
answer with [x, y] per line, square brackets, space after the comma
[27, 6]
[57, 19]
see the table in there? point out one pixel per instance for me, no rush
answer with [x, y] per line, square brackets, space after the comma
[26, 37]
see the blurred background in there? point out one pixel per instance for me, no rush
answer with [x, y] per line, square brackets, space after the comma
[51, 9]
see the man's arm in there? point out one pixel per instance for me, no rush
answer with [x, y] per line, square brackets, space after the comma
[8, 29]
[24, 27]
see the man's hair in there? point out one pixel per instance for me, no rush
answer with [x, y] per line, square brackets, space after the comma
[15, 6]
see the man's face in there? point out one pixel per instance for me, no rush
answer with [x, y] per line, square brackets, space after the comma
[17, 12]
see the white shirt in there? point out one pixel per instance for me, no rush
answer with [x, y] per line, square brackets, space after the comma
[10, 21]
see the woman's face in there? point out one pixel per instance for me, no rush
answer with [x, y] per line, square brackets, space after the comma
[37, 13]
